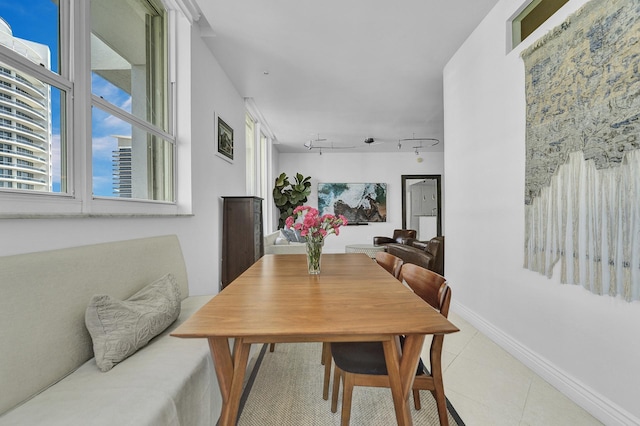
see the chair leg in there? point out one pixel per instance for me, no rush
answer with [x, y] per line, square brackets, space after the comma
[438, 386]
[336, 389]
[272, 347]
[347, 393]
[326, 360]
[416, 399]
[441, 402]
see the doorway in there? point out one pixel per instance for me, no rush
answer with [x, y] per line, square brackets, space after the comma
[422, 205]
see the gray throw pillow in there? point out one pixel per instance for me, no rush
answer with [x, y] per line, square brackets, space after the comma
[293, 235]
[119, 328]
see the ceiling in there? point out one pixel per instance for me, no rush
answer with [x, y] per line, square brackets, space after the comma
[342, 71]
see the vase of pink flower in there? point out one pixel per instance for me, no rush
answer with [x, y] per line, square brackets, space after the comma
[314, 228]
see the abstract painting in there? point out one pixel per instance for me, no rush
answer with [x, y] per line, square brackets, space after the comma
[358, 202]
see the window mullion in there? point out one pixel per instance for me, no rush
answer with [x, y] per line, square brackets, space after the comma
[17, 61]
[80, 69]
[123, 115]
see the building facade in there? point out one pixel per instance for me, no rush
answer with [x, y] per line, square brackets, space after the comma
[122, 178]
[25, 120]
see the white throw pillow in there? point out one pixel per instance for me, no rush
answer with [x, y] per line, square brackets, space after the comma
[281, 240]
[119, 328]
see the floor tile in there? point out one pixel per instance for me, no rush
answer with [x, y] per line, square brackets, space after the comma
[501, 389]
[456, 342]
[548, 406]
[474, 413]
[488, 386]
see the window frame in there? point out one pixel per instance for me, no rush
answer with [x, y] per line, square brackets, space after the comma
[515, 22]
[74, 78]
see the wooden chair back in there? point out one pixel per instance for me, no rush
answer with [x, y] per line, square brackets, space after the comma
[393, 264]
[430, 286]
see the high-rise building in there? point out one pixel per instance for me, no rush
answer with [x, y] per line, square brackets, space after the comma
[122, 167]
[25, 119]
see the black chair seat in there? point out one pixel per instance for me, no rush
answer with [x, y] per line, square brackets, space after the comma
[359, 357]
[364, 358]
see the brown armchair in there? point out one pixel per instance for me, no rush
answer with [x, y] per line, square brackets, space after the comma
[428, 254]
[399, 236]
[435, 248]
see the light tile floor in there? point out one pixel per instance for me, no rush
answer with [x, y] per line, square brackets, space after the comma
[488, 386]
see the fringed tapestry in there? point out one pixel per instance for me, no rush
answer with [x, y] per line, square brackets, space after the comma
[582, 183]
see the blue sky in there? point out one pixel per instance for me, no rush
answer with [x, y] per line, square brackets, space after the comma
[42, 27]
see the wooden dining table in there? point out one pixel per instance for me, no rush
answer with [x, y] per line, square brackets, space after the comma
[277, 301]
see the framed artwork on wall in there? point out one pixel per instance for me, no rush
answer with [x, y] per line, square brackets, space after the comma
[224, 133]
[358, 202]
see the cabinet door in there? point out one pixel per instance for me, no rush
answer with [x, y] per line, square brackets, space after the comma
[242, 239]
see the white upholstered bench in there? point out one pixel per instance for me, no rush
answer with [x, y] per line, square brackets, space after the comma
[48, 375]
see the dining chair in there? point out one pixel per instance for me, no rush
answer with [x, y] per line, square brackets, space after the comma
[393, 264]
[363, 363]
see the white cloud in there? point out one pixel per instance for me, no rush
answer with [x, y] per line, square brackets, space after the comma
[126, 105]
[110, 92]
[103, 145]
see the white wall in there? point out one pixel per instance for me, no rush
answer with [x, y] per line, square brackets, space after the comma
[361, 168]
[585, 345]
[211, 177]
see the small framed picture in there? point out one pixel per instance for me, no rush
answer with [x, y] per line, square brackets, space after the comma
[225, 140]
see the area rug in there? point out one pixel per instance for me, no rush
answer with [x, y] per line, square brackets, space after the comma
[285, 389]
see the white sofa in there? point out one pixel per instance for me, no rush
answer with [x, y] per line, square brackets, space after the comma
[48, 375]
[270, 246]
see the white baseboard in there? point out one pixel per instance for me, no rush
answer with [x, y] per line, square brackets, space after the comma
[595, 403]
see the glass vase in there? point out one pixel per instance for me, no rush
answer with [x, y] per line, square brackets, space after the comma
[314, 254]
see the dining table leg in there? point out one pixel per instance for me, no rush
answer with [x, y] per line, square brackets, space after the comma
[230, 371]
[327, 361]
[401, 368]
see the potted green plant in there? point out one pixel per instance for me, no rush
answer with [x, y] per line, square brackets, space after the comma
[288, 196]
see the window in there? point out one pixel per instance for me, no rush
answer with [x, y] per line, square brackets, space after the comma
[250, 138]
[531, 17]
[262, 167]
[260, 139]
[32, 93]
[129, 86]
[64, 99]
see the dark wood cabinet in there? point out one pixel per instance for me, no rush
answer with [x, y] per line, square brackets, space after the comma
[242, 235]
